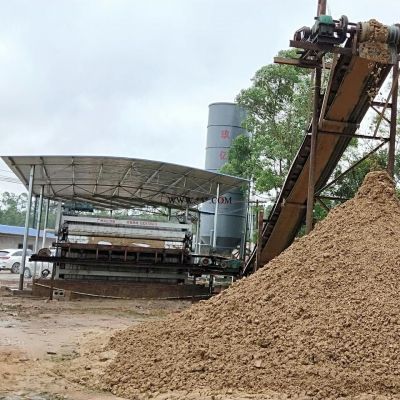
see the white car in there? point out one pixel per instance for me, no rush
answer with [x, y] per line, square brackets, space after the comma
[11, 259]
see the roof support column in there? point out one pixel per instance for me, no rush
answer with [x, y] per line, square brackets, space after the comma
[34, 212]
[243, 246]
[216, 219]
[169, 214]
[197, 244]
[39, 220]
[26, 232]
[46, 220]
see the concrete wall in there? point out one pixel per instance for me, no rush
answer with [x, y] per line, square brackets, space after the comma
[13, 242]
[133, 290]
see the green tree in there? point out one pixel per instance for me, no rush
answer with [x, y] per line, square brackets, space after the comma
[278, 110]
[12, 209]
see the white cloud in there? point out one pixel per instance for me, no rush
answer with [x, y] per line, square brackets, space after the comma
[132, 77]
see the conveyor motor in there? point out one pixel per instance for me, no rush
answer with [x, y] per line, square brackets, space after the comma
[326, 30]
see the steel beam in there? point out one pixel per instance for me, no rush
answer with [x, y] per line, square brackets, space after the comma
[320, 48]
[355, 135]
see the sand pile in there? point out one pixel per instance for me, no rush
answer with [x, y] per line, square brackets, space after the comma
[320, 321]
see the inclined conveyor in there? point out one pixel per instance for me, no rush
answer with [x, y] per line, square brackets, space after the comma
[358, 70]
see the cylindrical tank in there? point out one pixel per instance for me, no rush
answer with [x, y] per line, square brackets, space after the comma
[224, 125]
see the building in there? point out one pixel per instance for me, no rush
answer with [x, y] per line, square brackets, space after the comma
[12, 237]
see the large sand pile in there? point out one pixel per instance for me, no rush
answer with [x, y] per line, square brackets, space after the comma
[321, 320]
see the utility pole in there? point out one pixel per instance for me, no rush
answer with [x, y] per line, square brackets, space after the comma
[393, 120]
[314, 136]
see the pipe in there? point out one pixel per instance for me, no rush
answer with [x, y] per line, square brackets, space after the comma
[39, 220]
[216, 219]
[26, 229]
[197, 244]
[243, 248]
[46, 221]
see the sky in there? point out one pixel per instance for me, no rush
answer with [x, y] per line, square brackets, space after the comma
[134, 78]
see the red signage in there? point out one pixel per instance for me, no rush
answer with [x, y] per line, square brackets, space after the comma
[225, 134]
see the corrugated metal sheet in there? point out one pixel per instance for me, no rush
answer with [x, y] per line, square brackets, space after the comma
[19, 231]
[112, 182]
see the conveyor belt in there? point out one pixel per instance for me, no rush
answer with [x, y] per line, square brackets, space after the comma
[347, 102]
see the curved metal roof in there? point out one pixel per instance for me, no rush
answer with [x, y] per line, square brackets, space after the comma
[116, 182]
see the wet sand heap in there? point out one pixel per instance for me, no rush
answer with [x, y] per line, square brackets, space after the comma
[321, 320]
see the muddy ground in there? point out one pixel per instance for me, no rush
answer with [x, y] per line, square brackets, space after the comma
[38, 336]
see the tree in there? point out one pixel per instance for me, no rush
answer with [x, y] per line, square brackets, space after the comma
[12, 209]
[278, 110]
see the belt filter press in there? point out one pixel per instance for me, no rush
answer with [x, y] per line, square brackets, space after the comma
[110, 256]
[100, 248]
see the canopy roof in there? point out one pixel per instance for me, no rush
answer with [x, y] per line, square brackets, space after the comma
[115, 182]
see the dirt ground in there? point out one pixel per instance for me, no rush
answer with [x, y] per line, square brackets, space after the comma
[38, 337]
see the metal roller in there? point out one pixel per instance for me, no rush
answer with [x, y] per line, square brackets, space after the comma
[373, 31]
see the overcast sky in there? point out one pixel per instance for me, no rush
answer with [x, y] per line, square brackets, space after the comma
[134, 78]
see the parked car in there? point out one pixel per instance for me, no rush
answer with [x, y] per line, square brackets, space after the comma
[11, 259]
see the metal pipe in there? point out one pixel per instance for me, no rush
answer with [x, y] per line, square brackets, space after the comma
[169, 213]
[26, 229]
[196, 245]
[58, 219]
[244, 243]
[216, 219]
[46, 221]
[39, 220]
[187, 215]
[34, 212]
[260, 224]
[393, 121]
[314, 133]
